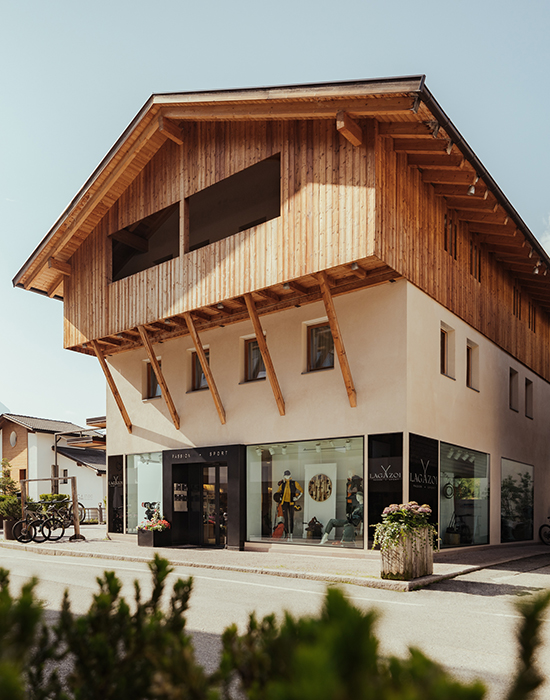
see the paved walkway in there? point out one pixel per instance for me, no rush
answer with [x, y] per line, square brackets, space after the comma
[321, 563]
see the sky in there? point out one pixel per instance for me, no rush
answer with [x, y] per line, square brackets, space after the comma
[75, 74]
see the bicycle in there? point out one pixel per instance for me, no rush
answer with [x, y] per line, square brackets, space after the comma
[544, 533]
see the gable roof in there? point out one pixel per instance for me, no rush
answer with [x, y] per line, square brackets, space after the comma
[42, 425]
[403, 100]
[94, 459]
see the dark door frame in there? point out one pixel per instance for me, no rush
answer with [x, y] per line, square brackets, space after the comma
[235, 458]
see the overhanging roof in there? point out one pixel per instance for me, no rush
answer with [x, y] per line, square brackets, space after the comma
[94, 459]
[42, 425]
[405, 102]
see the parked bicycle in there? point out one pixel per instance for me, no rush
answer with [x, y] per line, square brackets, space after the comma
[544, 533]
[46, 520]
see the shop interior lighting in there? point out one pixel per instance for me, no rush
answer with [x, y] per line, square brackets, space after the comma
[271, 451]
[259, 451]
[472, 188]
[283, 449]
[348, 445]
[318, 447]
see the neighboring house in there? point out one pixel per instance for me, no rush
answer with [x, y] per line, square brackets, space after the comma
[29, 446]
[317, 282]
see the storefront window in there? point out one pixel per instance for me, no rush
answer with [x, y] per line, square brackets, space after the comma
[295, 490]
[385, 473]
[464, 496]
[143, 487]
[516, 501]
[424, 473]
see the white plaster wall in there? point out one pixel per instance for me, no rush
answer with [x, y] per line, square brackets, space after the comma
[90, 487]
[448, 410]
[373, 325]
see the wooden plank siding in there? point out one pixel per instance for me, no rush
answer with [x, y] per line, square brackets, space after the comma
[410, 239]
[325, 214]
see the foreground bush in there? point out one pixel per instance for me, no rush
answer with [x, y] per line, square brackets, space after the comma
[142, 652]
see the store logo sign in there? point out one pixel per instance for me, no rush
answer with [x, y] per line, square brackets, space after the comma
[423, 479]
[385, 474]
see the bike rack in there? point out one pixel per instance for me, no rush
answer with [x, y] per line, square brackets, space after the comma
[74, 494]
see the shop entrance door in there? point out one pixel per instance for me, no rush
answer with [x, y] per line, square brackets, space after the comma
[199, 504]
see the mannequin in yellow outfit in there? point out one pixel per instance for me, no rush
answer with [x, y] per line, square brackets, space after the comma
[290, 491]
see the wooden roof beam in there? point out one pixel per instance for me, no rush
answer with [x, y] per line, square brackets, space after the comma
[54, 286]
[337, 337]
[159, 375]
[358, 271]
[435, 162]
[168, 128]
[490, 217]
[63, 267]
[421, 145]
[112, 386]
[262, 344]
[268, 294]
[310, 109]
[405, 129]
[349, 128]
[497, 229]
[205, 366]
[447, 177]
[472, 204]
[296, 287]
[461, 191]
[130, 239]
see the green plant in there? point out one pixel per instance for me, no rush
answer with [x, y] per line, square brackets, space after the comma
[401, 520]
[156, 523]
[8, 486]
[10, 508]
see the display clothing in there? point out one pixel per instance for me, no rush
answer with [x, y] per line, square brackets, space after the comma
[354, 485]
[349, 524]
[288, 492]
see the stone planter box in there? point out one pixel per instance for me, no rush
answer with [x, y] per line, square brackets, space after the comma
[8, 529]
[411, 558]
[154, 538]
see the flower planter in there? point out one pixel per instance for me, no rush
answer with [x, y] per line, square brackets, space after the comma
[154, 538]
[8, 529]
[410, 558]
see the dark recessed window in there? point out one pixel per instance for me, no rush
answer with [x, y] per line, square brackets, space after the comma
[513, 390]
[320, 350]
[249, 198]
[146, 243]
[254, 363]
[153, 387]
[199, 378]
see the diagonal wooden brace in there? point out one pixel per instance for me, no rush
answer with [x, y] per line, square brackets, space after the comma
[159, 375]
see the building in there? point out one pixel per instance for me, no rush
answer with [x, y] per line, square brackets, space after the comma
[321, 282]
[38, 448]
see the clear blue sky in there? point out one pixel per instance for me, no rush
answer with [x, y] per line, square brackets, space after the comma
[75, 74]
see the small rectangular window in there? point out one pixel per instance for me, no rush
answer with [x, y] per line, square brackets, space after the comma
[517, 303]
[65, 479]
[529, 398]
[320, 347]
[22, 474]
[446, 351]
[472, 365]
[532, 317]
[254, 362]
[199, 378]
[153, 387]
[514, 390]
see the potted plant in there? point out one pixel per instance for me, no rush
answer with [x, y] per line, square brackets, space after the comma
[406, 541]
[10, 509]
[154, 532]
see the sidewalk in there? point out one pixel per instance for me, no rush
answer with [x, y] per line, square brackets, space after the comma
[327, 563]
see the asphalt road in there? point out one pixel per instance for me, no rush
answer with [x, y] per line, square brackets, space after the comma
[467, 624]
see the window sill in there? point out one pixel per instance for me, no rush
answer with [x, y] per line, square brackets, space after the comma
[253, 381]
[150, 398]
[196, 391]
[515, 410]
[321, 369]
[530, 417]
[473, 388]
[448, 376]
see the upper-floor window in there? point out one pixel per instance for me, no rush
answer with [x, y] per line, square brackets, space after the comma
[320, 347]
[153, 387]
[532, 317]
[472, 365]
[199, 378]
[254, 363]
[529, 398]
[517, 303]
[447, 350]
[513, 390]
[239, 202]
[475, 258]
[145, 243]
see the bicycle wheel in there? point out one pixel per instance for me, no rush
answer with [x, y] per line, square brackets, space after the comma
[81, 513]
[39, 534]
[544, 533]
[23, 531]
[53, 529]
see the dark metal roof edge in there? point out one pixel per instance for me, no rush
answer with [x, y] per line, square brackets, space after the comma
[457, 138]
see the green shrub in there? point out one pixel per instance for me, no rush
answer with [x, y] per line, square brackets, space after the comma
[142, 652]
[8, 486]
[10, 508]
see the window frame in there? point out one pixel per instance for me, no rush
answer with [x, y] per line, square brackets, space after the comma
[197, 373]
[153, 388]
[513, 390]
[310, 346]
[529, 389]
[247, 368]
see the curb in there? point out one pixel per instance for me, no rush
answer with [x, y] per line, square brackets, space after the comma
[366, 582]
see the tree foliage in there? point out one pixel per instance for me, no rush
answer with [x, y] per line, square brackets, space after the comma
[141, 651]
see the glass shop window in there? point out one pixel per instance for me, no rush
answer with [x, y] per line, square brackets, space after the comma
[143, 488]
[307, 492]
[464, 496]
[254, 363]
[516, 501]
[199, 378]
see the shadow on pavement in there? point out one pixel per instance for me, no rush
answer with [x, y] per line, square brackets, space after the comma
[482, 588]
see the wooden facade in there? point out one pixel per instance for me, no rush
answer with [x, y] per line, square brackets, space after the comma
[376, 184]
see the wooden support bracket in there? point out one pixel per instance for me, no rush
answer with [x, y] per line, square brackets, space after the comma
[130, 239]
[112, 386]
[205, 366]
[337, 336]
[349, 128]
[262, 344]
[159, 375]
[171, 130]
[60, 266]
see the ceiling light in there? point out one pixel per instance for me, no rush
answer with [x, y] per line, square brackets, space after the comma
[259, 451]
[317, 447]
[286, 285]
[354, 266]
[219, 306]
[271, 451]
[472, 188]
[283, 449]
[348, 445]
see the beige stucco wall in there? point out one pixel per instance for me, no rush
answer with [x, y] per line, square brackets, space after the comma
[448, 410]
[391, 334]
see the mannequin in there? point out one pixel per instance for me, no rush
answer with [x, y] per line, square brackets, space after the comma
[288, 493]
[349, 523]
[354, 485]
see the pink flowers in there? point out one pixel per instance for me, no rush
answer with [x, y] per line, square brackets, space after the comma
[156, 523]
